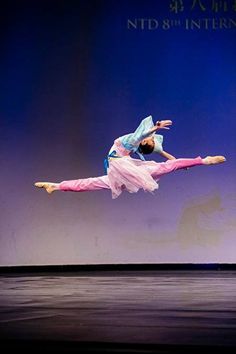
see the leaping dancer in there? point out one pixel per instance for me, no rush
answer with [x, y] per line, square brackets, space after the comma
[124, 172]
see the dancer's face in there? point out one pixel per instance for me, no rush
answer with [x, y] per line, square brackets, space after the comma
[148, 141]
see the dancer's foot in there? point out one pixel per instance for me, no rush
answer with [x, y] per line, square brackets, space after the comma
[48, 186]
[213, 160]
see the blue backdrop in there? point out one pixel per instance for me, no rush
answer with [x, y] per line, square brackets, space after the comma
[77, 74]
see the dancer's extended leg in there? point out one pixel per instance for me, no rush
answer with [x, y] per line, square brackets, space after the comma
[77, 185]
[162, 168]
[85, 184]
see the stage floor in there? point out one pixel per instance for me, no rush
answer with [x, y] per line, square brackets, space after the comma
[119, 311]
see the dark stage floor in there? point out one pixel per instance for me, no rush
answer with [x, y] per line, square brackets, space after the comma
[119, 312]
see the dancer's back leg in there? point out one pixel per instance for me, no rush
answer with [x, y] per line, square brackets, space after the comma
[77, 185]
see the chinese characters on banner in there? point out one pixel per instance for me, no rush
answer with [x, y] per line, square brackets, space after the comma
[193, 15]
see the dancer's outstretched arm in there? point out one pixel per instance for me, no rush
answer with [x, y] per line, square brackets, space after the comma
[166, 155]
[146, 129]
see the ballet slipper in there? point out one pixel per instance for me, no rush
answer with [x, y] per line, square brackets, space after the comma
[213, 160]
[49, 187]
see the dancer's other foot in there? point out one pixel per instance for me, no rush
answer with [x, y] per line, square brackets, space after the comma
[213, 160]
[48, 186]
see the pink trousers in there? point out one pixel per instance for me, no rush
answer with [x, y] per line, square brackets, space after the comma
[157, 170]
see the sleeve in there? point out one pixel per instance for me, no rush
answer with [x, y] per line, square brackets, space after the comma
[132, 141]
[158, 139]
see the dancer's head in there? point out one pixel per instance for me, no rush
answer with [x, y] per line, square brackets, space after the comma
[147, 146]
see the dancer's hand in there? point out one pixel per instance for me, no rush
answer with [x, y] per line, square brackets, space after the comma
[164, 124]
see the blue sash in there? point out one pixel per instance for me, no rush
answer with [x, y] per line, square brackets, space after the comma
[106, 160]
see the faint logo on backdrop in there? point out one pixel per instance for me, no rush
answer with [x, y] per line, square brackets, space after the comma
[190, 15]
[205, 221]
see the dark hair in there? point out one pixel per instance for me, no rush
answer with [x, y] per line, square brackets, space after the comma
[145, 149]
